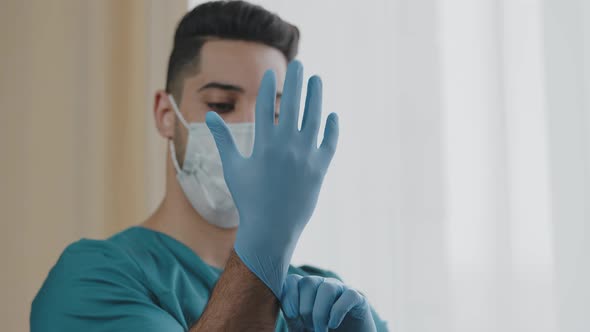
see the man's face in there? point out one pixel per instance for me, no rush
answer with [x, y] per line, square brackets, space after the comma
[228, 79]
[226, 82]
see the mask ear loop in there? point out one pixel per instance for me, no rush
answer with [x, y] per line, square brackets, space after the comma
[177, 111]
[171, 144]
[173, 155]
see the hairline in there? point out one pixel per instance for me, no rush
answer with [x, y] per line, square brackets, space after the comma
[192, 69]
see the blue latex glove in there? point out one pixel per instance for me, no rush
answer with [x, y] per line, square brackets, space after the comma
[314, 303]
[276, 189]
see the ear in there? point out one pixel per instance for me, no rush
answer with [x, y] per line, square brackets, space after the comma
[164, 114]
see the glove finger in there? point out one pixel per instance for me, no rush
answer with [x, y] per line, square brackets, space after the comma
[308, 287]
[291, 99]
[222, 136]
[330, 141]
[348, 300]
[290, 296]
[265, 108]
[313, 110]
[327, 294]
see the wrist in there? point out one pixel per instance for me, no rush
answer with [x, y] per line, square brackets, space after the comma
[240, 301]
[267, 265]
[264, 238]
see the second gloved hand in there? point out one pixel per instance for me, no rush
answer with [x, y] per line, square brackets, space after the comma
[276, 188]
[317, 304]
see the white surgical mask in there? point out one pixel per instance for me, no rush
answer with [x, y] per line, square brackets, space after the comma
[201, 176]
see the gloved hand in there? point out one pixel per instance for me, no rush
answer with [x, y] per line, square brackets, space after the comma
[275, 189]
[314, 303]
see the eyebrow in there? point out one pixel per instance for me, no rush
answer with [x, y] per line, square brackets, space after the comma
[228, 87]
[221, 86]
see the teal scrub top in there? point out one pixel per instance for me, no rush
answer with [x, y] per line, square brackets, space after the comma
[137, 280]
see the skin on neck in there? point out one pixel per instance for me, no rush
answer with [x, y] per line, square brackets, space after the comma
[235, 63]
[176, 217]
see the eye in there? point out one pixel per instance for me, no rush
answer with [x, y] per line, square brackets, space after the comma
[221, 107]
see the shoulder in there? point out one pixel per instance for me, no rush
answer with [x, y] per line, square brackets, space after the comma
[90, 261]
[84, 256]
[88, 247]
[94, 261]
[87, 276]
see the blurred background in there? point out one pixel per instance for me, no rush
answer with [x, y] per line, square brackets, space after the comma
[459, 199]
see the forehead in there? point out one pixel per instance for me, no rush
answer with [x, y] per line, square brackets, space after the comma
[239, 62]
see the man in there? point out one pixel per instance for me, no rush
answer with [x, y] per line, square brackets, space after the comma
[242, 183]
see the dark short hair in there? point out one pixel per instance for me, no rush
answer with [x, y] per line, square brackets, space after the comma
[233, 20]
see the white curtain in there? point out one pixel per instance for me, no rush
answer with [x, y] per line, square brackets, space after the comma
[459, 198]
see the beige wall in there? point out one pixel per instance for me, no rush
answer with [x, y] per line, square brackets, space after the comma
[79, 153]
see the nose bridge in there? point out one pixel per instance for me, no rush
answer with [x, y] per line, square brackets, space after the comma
[248, 109]
[249, 113]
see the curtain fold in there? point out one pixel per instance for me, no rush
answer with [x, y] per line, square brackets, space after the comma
[458, 198]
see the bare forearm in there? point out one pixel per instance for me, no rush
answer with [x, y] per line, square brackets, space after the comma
[240, 302]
